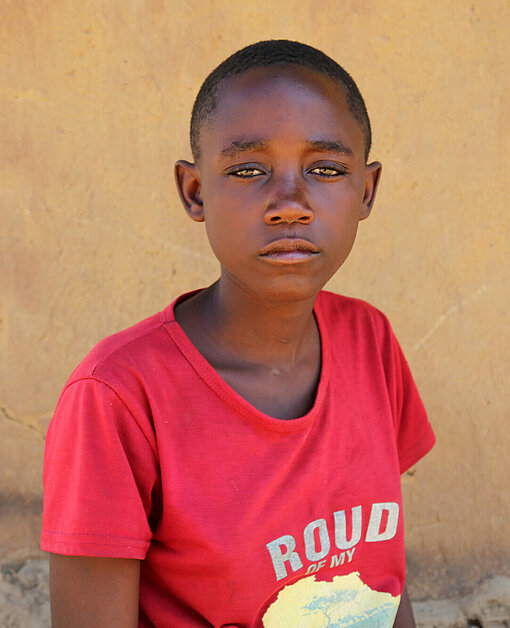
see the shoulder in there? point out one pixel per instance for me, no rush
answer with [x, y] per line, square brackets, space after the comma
[113, 383]
[132, 354]
[357, 331]
[356, 313]
[120, 346]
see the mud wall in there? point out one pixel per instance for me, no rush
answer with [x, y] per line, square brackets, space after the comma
[94, 107]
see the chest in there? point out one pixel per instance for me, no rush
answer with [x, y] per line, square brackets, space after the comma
[244, 505]
[285, 393]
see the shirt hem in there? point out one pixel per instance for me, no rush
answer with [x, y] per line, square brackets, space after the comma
[98, 547]
[417, 451]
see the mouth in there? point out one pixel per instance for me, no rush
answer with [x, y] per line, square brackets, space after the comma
[289, 250]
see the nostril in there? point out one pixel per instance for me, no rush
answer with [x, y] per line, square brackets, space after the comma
[275, 219]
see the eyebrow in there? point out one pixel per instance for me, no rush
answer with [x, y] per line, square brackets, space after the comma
[330, 146]
[237, 147]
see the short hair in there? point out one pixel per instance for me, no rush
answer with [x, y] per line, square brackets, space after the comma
[267, 53]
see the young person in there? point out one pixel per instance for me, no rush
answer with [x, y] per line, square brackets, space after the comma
[235, 460]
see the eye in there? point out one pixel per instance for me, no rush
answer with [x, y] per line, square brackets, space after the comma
[245, 172]
[328, 172]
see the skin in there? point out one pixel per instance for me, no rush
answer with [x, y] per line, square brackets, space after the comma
[281, 185]
[282, 165]
[99, 592]
[405, 617]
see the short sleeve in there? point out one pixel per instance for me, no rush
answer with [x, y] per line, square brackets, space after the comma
[101, 478]
[414, 433]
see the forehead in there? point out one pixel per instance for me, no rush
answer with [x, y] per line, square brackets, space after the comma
[281, 100]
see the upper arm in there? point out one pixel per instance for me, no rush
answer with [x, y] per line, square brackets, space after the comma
[88, 591]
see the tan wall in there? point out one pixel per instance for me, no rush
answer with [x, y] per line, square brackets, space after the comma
[94, 106]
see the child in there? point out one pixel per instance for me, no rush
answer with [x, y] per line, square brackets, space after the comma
[235, 460]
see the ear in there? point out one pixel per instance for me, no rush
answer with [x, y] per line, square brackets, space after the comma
[372, 176]
[187, 179]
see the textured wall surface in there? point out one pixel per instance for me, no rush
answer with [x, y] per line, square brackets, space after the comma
[94, 105]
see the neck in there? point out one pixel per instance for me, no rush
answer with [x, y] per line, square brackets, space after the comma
[259, 331]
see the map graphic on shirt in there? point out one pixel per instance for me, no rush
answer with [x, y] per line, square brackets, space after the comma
[345, 601]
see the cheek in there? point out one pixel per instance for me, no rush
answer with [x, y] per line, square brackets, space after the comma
[344, 198]
[226, 235]
[349, 192]
[342, 228]
[231, 217]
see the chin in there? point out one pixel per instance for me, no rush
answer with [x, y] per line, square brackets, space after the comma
[290, 289]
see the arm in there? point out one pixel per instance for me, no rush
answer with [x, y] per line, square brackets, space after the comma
[405, 617]
[99, 592]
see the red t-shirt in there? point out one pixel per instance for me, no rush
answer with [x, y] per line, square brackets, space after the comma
[241, 519]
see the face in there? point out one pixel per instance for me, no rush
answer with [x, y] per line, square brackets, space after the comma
[282, 182]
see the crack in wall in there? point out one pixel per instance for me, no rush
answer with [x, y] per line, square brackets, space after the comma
[14, 419]
[452, 310]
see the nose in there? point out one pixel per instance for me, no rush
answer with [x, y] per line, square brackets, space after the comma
[288, 206]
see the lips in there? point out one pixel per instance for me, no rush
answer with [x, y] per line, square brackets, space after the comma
[289, 250]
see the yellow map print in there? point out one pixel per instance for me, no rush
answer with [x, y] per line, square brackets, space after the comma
[345, 601]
